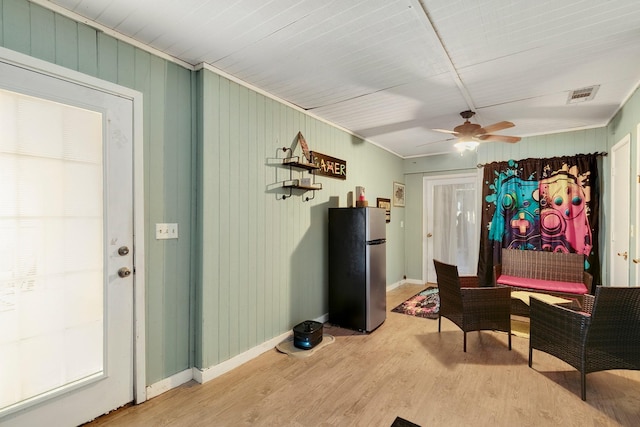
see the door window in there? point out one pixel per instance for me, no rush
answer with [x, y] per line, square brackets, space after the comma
[51, 256]
[450, 221]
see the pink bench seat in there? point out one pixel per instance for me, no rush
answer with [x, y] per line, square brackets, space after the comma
[543, 285]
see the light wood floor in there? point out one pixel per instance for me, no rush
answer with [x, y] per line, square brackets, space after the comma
[404, 368]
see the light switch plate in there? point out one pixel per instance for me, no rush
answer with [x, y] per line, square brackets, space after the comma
[166, 231]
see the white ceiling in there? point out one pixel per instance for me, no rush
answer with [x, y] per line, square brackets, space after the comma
[392, 70]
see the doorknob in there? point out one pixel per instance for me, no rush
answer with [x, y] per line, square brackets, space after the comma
[124, 272]
[623, 255]
[636, 260]
[429, 235]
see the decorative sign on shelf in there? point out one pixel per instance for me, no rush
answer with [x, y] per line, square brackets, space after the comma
[329, 166]
[304, 146]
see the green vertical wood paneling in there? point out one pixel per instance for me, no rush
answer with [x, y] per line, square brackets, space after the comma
[88, 52]
[234, 210]
[1, 23]
[183, 198]
[250, 150]
[107, 58]
[264, 260]
[167, 127]
[257, 233]
[169, 167]
[269, 248]
[43, 34]
[66, 37]
[126, 66]
[156, 207]
[244, 216]
[213, 281]
[16, 25]
[224, 170]
[560, 144]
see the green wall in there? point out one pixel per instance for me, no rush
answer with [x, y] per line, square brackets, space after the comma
[263, 265]
[246, 267]
[168, 143]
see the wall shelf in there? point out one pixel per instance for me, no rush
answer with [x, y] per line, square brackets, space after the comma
[292, 163]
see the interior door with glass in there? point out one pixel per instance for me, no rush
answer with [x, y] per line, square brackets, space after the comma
[450, 224]
[66, 255]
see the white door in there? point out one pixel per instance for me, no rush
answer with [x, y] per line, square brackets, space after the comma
[450, 224]
[620, 225]
[66, 238]
[636, 260]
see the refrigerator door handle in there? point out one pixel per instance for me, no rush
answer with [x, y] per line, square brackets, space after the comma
[377, 242]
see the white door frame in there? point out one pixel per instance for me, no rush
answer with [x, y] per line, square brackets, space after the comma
[613, 248]
[28, 62]
[425, 209]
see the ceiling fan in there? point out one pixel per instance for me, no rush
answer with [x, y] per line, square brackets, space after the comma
[470, 134]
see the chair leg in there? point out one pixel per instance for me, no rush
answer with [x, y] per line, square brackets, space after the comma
[530, 355]
[583, 380]
[509, 340]
[439, 319]
[464, 345]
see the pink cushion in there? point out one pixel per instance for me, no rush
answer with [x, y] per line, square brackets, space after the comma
[543, 285]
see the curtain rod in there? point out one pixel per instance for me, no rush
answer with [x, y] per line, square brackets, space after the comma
[598, 153]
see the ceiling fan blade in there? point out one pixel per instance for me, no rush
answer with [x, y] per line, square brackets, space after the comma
[499, 138]
[445, 131]
[496, 127]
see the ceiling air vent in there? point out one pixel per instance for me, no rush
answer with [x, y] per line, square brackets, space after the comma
[582, 95]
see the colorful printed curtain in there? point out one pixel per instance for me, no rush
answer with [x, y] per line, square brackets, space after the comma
[542, 205]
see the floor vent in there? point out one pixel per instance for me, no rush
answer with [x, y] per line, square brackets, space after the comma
[582, 95]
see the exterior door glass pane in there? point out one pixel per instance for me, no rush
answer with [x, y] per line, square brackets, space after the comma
[51, 248]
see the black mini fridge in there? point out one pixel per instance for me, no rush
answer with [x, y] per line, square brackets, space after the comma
[357, 268]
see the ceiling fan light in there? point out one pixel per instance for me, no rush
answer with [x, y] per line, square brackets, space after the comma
[468, 145]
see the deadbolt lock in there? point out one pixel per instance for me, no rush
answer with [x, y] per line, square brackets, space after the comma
[124, 272]
[624, 255]
[123, 250]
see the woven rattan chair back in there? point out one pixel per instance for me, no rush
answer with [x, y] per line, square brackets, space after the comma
[472, 309]
[613, 339]
[606, 336]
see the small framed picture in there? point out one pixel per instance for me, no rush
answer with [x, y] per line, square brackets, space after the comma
[398, 194]
[386, 205]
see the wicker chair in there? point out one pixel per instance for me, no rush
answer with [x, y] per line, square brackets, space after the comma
[605, 336]
[472, 309]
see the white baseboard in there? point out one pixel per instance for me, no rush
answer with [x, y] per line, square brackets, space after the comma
[402, 282]
[394, 285]
[168, 383]
[207, 374]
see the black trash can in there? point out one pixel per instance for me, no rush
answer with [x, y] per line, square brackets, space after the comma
[307, 334]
